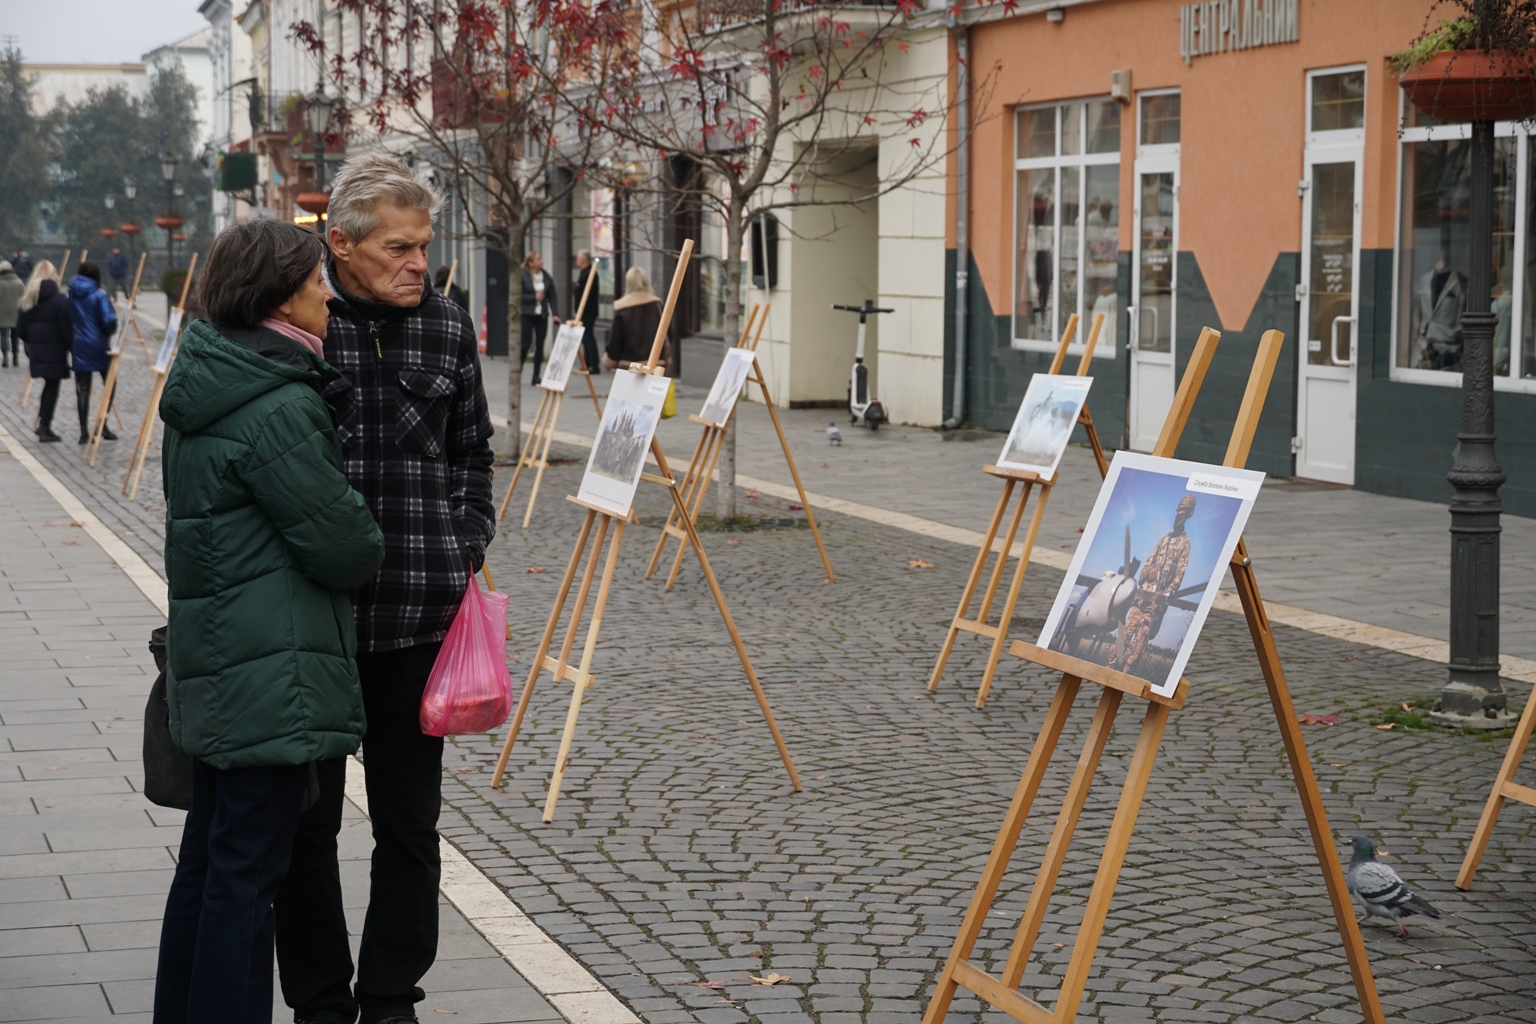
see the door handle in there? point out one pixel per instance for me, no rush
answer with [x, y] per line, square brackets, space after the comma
[1132, 313]
[1155, 322]
[1334, 349]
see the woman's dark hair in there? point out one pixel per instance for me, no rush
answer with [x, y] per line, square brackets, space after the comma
[91, 270]
[255, 267]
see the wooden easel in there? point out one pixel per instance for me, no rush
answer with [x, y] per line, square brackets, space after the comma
[536, 452]
[109, 388]
[133, 312]
[959, 971]
[145, 441]
[706, 454]
[1012, 478]
[1504, 787]
[610, 531]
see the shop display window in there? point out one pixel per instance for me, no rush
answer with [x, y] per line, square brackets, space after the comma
[1067, 222]
[1433, 249]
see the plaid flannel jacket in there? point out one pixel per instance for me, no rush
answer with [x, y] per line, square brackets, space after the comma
[414, 430]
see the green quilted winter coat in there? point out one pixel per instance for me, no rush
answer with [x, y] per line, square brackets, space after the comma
[264, 538]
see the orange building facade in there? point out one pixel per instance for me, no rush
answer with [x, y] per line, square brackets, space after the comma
[1243, 165]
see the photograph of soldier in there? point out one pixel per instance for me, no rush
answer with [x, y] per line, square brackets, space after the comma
[1152, 557]
[1162, 574]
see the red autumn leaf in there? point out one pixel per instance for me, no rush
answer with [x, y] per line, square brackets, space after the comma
[1318, 719]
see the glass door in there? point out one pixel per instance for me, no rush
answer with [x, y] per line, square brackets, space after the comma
[1154, 271]
[1330, 252]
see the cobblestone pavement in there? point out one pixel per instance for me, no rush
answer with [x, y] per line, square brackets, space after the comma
[680, 856]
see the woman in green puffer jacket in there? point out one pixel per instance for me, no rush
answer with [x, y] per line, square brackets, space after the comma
[264, 539]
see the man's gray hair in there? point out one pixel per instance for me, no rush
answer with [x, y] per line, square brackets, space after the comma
[364, 182]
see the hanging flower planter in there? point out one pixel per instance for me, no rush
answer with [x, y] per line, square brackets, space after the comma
[168, 223]
[129, 229]
[1474, 85]
[313, 202]
[179, 237]
[108, 232]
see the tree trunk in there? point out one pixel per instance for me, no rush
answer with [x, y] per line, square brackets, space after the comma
[514, 338]
[725, 492]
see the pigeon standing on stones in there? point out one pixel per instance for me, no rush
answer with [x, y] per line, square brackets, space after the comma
[833, 434]
[1379, 889]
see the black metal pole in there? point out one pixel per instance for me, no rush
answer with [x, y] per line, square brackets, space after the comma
[1473, 693]
[170, 232]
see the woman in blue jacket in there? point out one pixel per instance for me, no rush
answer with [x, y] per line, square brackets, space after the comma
[95, 320]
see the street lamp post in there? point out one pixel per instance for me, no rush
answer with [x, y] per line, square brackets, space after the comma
[168, 172]
[130, 191]
[319, 116]
[1473, 693]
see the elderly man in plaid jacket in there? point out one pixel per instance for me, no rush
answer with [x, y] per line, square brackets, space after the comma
[414, 429]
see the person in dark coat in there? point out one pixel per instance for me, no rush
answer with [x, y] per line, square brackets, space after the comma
[539, 305]
[12, 288]
[117, 270]
[587, 314]
[47, 330]
[635, 319]
[457, 294]
[264, 540]
[95, 322]
[21, 262]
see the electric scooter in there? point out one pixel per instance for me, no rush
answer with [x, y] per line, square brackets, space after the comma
[861, 404]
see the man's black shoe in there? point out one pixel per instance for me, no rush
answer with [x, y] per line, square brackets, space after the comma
[106, 433]
[46, 435]
[84, 438]
[398, 1019]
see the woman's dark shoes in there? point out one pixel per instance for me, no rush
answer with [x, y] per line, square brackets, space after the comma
[84, 438]
[106, 433]
[46, 434]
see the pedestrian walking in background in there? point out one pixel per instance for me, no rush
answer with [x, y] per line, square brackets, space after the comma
[587, 314]
[95, 322]
[635, 319]
[539, 305]
[21, 262]
[457, 294]
[415, 433]
[264, 539]
[11, 290]
[47, 331]
[117, 270]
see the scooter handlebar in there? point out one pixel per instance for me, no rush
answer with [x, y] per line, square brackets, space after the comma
[863, 309]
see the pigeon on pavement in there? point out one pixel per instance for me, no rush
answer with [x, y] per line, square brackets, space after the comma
[1379, 889]
[833, 434]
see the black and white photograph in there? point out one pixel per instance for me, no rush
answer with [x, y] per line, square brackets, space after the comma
[562, 359]
[1044, 423]
[168, 343]
[623, 438]
[1149, 564]
[727, 386]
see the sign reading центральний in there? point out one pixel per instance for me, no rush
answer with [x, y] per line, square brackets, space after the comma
[1215, 26]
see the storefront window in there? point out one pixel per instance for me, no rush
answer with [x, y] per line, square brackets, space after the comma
[1434, 247]
[1067, 222]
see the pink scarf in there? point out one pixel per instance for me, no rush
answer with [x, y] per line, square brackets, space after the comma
[296, 334]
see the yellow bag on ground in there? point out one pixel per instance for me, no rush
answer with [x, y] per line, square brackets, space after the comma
[669, 406]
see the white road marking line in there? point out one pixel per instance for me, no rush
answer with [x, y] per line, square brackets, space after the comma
[574, 991]
[1411, 644]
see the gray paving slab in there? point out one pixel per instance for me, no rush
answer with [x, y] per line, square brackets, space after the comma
[85, 859]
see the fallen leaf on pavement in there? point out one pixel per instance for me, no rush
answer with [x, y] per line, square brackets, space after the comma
[1342, 764]
[796, 508]
[770, 979]
[753, 494]
[733, 543]
[1386, 727]
[818, 779]
[710, 984]
[445, 1011]
[921, 696]
[534, 568]
[1318, 719]
[468, 769]
[55, 767]
[1409, 707]
[918, 563]
[757, 953]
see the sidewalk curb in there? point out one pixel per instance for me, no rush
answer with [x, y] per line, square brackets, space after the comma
[1411, 644]
[570, 988]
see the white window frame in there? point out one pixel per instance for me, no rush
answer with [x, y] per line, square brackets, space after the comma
[1079, 161]
[1523, 198]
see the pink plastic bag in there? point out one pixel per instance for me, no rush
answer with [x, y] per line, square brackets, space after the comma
[470, 689]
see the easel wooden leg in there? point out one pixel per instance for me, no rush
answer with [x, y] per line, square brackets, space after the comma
[741, 649]
[701, 488]
[985, 552]
[543, 651]
[543, 464]
[690, 482]
[1003, 847]
[1011, 601]
[579, 685]
[523, 456]
[789, 460]
[146, 436]
[98, 425]
[26, 391]
[1503, 785]
[586, 371]
[1306, 785]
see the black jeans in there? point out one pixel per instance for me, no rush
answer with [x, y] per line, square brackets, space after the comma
[589, 349]
[10, 344]
[83, 399]
[216, 941]
[404, 771]
[50, 402]
[534, 329]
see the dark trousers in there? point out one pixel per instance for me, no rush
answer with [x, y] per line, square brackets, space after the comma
[403, 769]
[534, 329]
[589, 349]
[50, 401]
[83, 401]
[216, 941]
[9, 344]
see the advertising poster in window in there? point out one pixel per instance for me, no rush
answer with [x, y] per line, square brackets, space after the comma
[623, 438]
[1149, 564]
